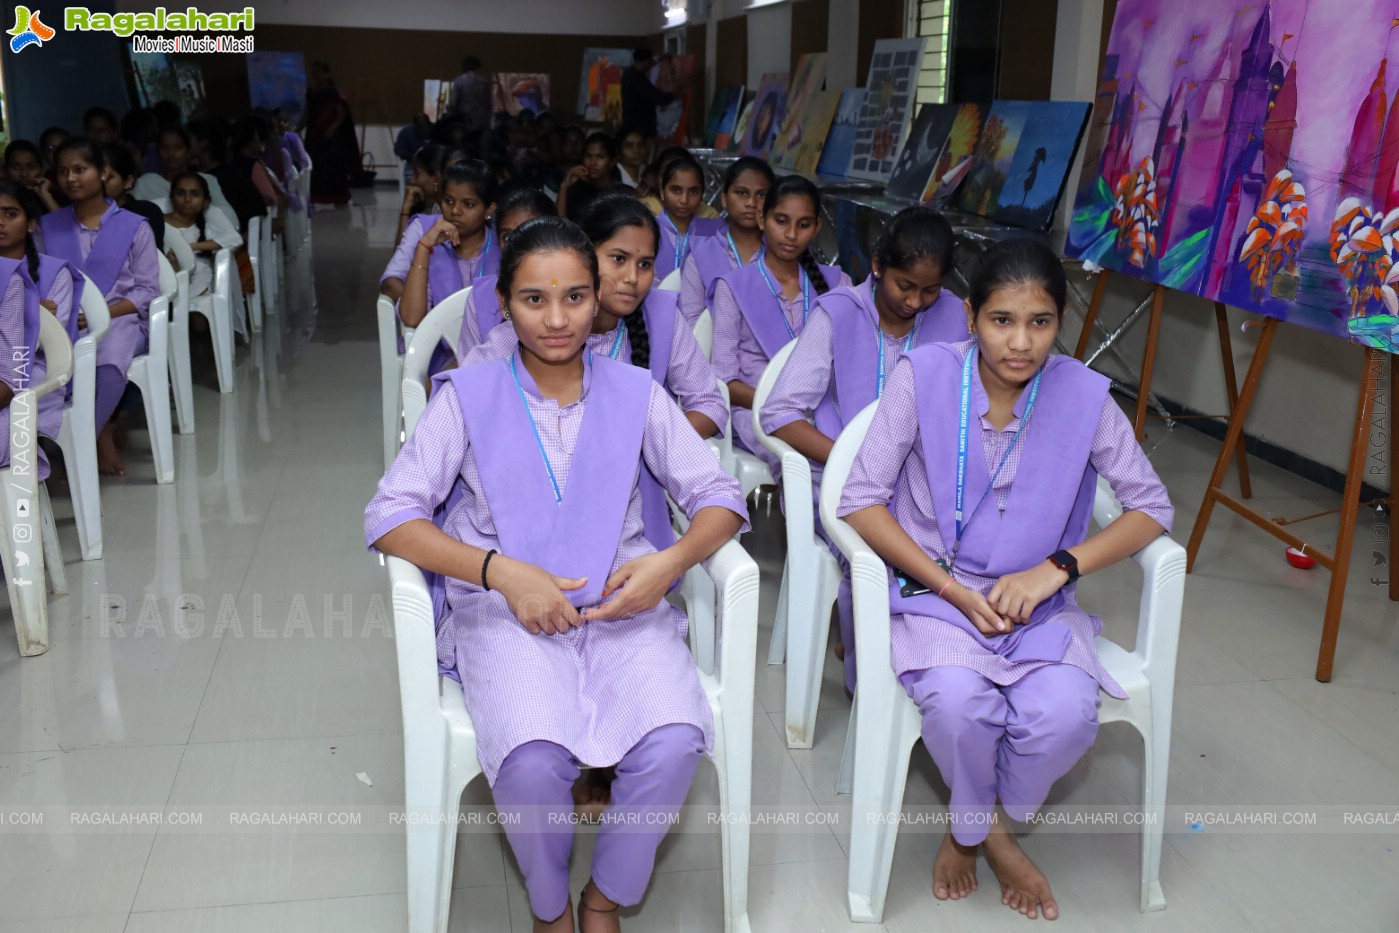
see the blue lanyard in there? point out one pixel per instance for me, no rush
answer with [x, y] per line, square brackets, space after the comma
[617, 342]
[682, 243]
[733, 249]
[777, 296]
[879, 344]
[962, 447]
[553, 481]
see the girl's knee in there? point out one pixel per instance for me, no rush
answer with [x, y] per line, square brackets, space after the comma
[674, 749]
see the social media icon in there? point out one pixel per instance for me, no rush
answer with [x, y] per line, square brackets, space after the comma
[22, 508]
[21, 559]
[23, 533]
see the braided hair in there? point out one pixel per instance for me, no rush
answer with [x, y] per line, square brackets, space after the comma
[795, 186]
[604, 216]
[31, 207]
[204, 187]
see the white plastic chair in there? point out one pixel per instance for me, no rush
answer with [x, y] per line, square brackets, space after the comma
[885, 724]
[443, 322]
[269, 248]
[253, 245]
[704, 332]
[391, 330]
[78, 436]
[671, 283]
[811, 576]
[217, 308]
[181, 370]
[20, 549]
[150, 372]
[439, 742]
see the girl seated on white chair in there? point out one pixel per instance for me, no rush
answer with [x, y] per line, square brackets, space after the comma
[50, 283]
[549, 577]
[746, 185]
[513, 208]
[761, 307]
[204, 227]
[988, 527]
[116, 249]
[682, 194]
[853, 339]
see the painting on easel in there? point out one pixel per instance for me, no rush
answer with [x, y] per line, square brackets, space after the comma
[1250, 154]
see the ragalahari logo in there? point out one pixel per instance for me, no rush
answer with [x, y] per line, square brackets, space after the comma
[29, 30]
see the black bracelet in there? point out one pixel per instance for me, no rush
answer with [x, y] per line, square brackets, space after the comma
[484, 564]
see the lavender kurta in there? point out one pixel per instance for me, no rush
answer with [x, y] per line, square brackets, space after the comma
[137, 280]
[891, 470]
[675, 249]
[596, 690]
[688, 375]
[710, 257]
[441, 281]
[737, 353]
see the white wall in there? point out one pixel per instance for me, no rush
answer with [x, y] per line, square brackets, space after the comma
[581, 17]
[769, 41]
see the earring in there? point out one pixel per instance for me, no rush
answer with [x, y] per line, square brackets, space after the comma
[595, 310]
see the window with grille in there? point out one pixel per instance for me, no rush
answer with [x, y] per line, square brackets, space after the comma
[931, 20]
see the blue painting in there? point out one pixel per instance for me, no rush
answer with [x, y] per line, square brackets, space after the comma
[840, 142]
[1036, 173]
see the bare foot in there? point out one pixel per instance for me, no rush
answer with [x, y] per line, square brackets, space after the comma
[954, 870]
[1023, 886]
[597, 914]
[564, 924]
[592, 794]
[109, 462]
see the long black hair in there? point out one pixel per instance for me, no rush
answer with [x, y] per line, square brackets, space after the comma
[789, 186]
[204, 187]
[548, 234]
[916, 234]
[1012, 263]
[32, 209]
[604, 216]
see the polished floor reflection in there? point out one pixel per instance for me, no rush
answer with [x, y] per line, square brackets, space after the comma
[232, 654]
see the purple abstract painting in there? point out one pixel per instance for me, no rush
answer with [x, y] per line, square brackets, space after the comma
[1246, 152]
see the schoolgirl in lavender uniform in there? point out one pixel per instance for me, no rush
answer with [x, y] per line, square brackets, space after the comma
[988, 525]
[746, 185]
[682, 193]
[45, 282]
[549, 574]
[853, 339]
[116, 249]
[513, 208]
[454, 249]
[760, 308]
[638, 324]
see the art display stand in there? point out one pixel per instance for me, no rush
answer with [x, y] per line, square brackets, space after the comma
[1338, 562]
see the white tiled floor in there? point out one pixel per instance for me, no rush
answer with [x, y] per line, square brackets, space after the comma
[233, 651]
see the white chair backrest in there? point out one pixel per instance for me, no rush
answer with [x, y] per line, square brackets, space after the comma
[704, 332]
[443, 322]
[169, 284]
[671, 283]
[94, 307]
[175, 243]
[764, 388]
[58, 354]
[838, 464]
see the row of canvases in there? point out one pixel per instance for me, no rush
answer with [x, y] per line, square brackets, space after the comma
[1004, 160]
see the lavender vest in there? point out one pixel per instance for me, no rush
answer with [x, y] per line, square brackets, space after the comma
[712, 259]
[700, 228]
[443, 272]
[49, 269]
[13, 267]
[487, 305]
[1050, 502]
[109, 250]
[580, 536]
[760, 309]
[859, 346]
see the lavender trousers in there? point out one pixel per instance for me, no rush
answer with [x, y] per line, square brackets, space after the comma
[1011, 742]
[111, 384]
[533, 792]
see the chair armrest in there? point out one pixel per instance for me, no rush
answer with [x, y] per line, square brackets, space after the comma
[735, 576]
[415, 635]
[1162, 604]
[58, 355]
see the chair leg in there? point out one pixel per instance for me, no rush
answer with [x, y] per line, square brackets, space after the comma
[808, 633]
[733, 763]
[431, 847]
[53, 549]
[881, 772]
[80, 460]
[221, 332]
[23, 560]
[777, 648]
[845, 783]
[1157, 752]
[181, 378]
[254, 301]
[158, 423]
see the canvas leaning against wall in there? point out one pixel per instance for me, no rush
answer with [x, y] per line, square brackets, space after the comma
[597, 67]
[808, 80]
[840, 141]
[278, 79]
[815, 129]
[517, 91]
[1249, 155]
[769, 109]
[888, 108]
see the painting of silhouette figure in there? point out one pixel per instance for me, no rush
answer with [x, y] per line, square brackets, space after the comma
[1044, 154]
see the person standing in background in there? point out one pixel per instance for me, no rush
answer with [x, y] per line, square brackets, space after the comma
[330, 139]
[471, 95]
[640, 97]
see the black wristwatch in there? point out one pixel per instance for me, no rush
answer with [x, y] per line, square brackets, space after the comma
[1065, 562]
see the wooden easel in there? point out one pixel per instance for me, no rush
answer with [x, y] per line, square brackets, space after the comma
[1339, 562]
[1153, 335]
